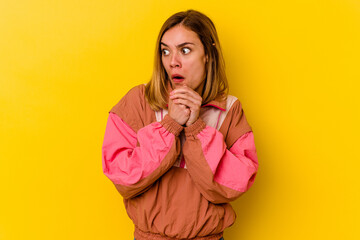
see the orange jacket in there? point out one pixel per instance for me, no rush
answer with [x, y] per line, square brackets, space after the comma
[177, 181]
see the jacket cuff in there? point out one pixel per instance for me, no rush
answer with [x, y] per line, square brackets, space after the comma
[195, 128]
[171, 125]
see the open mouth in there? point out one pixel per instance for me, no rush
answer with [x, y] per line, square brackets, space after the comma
[177, 78]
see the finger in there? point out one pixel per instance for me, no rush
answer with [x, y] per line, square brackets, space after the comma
[179, 105]
[187, 97]
[186, 94]
[186, 90]
[187, 103]
[183, 108]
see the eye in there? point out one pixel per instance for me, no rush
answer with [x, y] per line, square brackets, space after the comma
[185, 50]
[165, 52]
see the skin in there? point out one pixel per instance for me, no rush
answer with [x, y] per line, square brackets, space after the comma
[183, 53]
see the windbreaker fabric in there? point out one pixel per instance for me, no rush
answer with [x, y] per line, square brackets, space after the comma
[177, 181]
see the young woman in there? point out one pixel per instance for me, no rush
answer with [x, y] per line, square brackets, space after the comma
[180, 149]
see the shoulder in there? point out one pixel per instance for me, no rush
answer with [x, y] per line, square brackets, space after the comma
[232, 106]
[136, 92]
[235, 123]
[231, 101]
[134, 109]
[133, 98]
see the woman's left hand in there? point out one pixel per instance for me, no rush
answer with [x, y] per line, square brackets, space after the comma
[191, 99]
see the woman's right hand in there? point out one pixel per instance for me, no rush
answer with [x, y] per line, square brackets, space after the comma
[179, 112]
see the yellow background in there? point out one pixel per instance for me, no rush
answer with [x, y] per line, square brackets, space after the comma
[293, 64]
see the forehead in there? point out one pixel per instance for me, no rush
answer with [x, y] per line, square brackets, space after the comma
[179, 34]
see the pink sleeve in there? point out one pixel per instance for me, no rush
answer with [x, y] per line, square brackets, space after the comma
[133, 161]
[238, 166]
[220, 174]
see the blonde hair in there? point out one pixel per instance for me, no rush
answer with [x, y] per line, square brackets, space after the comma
[216, 85]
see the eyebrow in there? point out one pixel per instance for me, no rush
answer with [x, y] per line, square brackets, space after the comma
[180, 45]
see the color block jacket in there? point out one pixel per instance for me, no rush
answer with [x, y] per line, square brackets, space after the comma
[177, 181]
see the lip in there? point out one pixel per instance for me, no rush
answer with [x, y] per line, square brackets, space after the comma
[175, 78]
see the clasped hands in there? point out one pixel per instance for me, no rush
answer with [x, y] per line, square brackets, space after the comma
[184, 105]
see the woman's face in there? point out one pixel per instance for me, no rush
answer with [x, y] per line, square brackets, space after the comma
[183, 58]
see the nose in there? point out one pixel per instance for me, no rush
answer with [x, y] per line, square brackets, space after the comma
[175, 60]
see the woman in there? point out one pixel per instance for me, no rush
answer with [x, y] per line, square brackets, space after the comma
[180, 149]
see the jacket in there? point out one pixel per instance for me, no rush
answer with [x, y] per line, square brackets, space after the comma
[177, 181]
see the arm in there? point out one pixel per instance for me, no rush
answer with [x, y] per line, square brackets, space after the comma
[133, 161]
[220, 174]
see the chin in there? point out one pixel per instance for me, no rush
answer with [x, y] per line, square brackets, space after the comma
[179, 84]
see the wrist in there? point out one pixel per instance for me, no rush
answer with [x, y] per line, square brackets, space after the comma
[191, 120]
[171, 125]
[195, 127]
